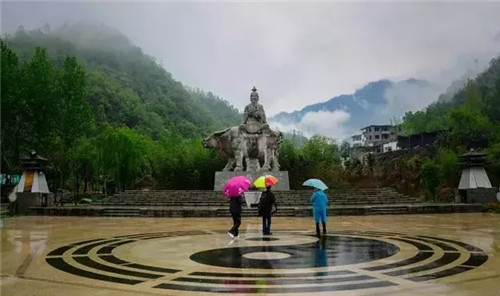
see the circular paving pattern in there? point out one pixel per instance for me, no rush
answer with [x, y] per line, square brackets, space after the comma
[329, 251]
[341, 261]
[266, 255]
[263, 239]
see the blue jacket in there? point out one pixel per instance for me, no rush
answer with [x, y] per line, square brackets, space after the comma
[319, 200]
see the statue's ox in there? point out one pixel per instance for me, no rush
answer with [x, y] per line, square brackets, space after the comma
[241, 146]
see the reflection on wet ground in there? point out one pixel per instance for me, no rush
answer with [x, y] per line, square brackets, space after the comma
[364, 255]
[332, 250]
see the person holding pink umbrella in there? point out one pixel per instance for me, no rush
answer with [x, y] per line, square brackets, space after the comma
[234, 188]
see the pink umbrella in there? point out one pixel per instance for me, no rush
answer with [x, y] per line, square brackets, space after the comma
[236, 186]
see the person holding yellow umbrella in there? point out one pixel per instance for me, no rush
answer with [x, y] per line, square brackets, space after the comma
[266, 201]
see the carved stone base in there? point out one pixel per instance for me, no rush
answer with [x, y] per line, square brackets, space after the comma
[26, 200]
[222, 177]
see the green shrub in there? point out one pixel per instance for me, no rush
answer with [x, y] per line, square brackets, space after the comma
[430, 175]
[492, 207]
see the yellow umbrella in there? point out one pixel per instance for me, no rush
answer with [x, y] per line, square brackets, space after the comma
[265, 181]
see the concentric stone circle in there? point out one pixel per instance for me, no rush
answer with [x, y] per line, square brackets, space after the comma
[267, 255]
[431, 258]
[332, 250]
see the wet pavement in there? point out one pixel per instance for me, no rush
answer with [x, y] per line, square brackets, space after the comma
[442, 254]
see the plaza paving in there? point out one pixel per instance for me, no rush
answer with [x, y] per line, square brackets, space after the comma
[442, 254]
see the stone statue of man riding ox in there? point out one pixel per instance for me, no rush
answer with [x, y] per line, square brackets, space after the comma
[250, 143]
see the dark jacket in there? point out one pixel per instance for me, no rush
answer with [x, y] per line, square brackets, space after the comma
[266, 202]
[235, 204]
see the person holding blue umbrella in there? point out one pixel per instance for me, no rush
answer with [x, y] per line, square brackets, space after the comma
[319, 201]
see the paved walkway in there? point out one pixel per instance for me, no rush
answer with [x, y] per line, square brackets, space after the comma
[442, 254]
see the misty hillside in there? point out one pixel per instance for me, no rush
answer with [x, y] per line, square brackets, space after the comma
[375, 103]
[125, 86]
[481, 95]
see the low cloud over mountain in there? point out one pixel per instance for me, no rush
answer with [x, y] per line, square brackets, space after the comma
[376, 103]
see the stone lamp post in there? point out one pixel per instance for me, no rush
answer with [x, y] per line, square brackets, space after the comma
[32, 190]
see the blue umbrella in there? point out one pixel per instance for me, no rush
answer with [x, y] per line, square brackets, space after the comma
[316, 183]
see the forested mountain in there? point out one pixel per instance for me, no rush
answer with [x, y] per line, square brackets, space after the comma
[125, 86]
[481, 96]
[103, 112]
[469, 119]
[108, 117]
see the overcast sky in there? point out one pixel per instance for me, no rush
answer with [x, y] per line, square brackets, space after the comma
[294, 53]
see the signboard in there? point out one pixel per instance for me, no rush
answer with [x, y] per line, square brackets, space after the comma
[9, 179]
[252, 198]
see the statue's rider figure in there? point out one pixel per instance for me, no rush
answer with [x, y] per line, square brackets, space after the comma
[254, 118]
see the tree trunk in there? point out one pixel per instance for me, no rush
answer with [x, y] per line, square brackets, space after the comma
[105, 188]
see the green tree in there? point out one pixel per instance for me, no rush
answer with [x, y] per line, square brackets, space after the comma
[289, 155]
[494, 158]
[291, 160]
[448, 161]
[11, 111]
[469, 128]
[81, 163]
[492, 102]
[473, 101]
[345, 147]
[430, 174]
[321, 150]
[354, 167]
[76, 116]
[120, 156]
[39, 103]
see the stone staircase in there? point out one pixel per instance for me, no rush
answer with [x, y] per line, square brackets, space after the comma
[390, 210]
[203, 203]
[293, 198]
[294, 203]
[121, 212]
[252, 212]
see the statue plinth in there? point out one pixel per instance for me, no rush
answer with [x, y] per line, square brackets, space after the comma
[282, 185]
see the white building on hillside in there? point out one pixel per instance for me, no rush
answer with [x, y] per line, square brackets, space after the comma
[358, 140]
[390, 146]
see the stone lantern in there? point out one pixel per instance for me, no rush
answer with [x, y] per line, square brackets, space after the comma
[475, 186]
[32, 190]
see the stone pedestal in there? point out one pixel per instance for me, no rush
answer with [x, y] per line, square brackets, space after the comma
[222, 177]
[481, 195]
[27, 200]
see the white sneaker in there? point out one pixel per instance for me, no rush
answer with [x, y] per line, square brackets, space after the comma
[231, 235]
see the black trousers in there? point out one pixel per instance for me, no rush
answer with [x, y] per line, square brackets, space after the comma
[13, 208]
[266, 224]
[236, 222]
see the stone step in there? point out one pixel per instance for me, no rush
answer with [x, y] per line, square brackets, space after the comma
[277, 193]
[277, 196]
[194, 192]
[278, 201]
[91, 210]
[204, 196]
[389, 210]
[288, 212]
[220, 199]
[120, 215]
[194, 199]
[125, 212]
